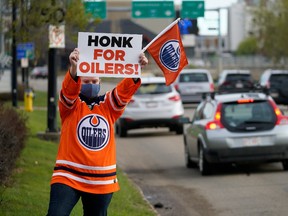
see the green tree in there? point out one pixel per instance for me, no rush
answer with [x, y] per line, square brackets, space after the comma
[34, 18]
[271, 21]
[247, 47]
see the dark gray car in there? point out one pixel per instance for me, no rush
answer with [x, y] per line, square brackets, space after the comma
[276, 82]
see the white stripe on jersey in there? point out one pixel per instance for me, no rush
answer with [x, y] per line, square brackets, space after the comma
[85, 166]
[113, 181]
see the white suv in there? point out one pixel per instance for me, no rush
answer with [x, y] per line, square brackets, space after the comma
[153, 105]
[192, 83]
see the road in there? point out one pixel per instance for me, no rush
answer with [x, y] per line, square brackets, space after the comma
[154, 160]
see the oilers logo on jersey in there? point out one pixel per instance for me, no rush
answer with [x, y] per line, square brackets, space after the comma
[93, 132]
[170, 55]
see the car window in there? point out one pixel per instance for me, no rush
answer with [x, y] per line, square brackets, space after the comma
[245, 116]
[208, 110]
[153, 88]
[193, 77]
[235, 77]
[198, 112]
[279, 78]
[264, 78]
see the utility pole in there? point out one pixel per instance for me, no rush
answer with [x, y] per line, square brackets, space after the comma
[52, 83]
[220, 66]
[52, 73]
[52, 86]
[14, 57]
[219, 48]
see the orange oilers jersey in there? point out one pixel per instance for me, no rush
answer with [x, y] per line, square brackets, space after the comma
[86, 158]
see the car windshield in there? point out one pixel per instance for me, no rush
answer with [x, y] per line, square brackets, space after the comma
[235, 77]
[194, 77]
[248, 116]
[153, 88]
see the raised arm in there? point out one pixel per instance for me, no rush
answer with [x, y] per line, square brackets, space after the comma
[73, 58]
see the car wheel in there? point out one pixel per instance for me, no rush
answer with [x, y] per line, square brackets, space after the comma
[203, 164]
[179, 129]
[188, 162]
[121, 131]
[285, 164]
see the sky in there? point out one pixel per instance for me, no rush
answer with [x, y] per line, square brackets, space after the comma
[211, 17]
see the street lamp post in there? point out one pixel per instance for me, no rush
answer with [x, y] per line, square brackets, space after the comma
[219, 43]
[219, 48]
[14, 63]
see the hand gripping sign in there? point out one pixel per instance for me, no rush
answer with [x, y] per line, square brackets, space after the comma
[109, 55]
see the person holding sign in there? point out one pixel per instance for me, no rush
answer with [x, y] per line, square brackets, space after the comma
[86, 161]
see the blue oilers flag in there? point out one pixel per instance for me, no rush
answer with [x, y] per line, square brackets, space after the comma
[168, 52]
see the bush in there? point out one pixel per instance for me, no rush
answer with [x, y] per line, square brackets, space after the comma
[13, 133]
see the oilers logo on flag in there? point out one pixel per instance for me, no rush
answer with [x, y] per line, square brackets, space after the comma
[93, 132]
[170, 55]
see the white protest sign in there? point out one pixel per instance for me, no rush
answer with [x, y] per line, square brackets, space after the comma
[109, 55]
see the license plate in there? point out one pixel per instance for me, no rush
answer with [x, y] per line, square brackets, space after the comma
[239, 85]
[151, 104]
[252, 141]
[191, 90]
[274, 94]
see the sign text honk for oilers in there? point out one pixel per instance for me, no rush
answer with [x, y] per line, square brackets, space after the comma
[109, 55]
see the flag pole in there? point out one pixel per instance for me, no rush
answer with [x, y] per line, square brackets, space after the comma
[160, 34]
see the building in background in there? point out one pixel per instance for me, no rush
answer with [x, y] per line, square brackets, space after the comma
[240, 22]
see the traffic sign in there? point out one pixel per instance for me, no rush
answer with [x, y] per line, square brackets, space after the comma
[192, 9]
[96, 7]
[56, 36]
[25, 50]
[153, 9]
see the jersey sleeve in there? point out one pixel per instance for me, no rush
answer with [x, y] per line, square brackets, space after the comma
[68, 94]
[121, 95]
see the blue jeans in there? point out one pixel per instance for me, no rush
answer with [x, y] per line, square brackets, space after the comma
[63, 199]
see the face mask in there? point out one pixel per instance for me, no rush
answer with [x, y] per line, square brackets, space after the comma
[90, 90]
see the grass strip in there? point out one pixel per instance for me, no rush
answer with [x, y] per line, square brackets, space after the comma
[28, 190]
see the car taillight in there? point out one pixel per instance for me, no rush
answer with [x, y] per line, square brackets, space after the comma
[212, 87]
[245, 100]
[177, 87]
[128, 119]
[216, 123]
[281, 119]
[175, 98]
[250, 83]
[131, 101]
[226, 83]
[176, 116]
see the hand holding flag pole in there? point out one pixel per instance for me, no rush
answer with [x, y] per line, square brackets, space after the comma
[168, 52]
